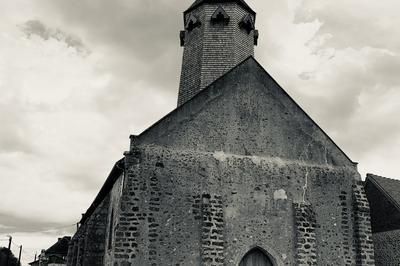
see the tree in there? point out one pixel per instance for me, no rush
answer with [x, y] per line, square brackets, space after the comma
[13, 261]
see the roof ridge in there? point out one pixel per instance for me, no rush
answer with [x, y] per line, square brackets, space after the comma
[272, 78]
[200, 92]
[371, 177]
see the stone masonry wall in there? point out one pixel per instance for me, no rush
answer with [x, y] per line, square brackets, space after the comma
[112, 224]
[171, 211]
[87, 247]
[364, 246]
[71, 250]
[155, 223]
[305, 224]
[95, 235]
[212, 233]
[74, 256]
[387, 248]
[130, 217]
[346, 225]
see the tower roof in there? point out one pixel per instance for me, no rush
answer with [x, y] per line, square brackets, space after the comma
[240, 2]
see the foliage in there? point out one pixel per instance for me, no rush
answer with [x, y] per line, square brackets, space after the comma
[13, 261]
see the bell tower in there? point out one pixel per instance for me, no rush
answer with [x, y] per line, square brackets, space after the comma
[217, 36]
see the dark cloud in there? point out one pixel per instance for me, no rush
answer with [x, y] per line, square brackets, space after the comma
[36, 27]
[139, 38]
[11, 224]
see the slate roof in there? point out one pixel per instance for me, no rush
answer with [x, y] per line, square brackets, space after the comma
[389, 187]
[59, 248]
[58, 251]
[240, 2]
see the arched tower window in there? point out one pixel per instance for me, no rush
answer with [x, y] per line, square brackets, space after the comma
[256, 257]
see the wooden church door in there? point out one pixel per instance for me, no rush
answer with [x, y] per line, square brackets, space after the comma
[255, 257]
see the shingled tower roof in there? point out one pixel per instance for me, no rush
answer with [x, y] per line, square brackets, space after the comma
[240, 2]
[217, 36]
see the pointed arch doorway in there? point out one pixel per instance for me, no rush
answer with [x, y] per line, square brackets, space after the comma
[256, 257]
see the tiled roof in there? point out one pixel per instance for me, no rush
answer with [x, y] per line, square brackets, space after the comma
[390, 187]
[200, 2]
[59, 248]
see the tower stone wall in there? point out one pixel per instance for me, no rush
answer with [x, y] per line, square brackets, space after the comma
[213, 47]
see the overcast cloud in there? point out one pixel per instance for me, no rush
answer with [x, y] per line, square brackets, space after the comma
[77, 77]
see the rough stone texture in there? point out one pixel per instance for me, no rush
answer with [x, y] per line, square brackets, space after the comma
[346, 225]
[70, 254]
[95, 235]
[212, 232]
[244, 142]
[87, 247]
[255, 210]
[71, 257]
[246, 113]
[364, 246]
[213, 49]
[113, 223]
[224, 173]
[387, 248]
[305, 224]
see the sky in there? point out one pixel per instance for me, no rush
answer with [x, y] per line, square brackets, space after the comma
[77, 77]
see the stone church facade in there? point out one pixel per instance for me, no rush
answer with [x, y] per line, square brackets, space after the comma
[238, 174]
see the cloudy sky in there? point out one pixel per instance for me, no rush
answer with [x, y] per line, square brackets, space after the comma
[77, 77]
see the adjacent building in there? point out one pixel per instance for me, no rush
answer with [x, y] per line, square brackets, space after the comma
[384, 197]
[56, 255]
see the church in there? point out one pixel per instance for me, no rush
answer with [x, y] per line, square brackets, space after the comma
[237, 174]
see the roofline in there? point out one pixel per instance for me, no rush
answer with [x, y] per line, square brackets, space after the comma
[115, 173]
[370, 177]
[231, 70]
[243, 4]
[309, 117]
